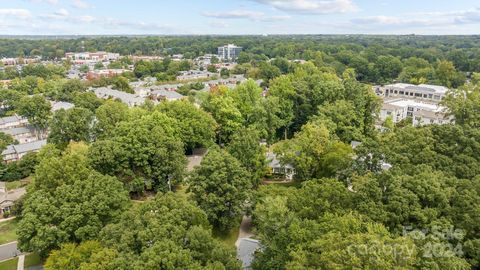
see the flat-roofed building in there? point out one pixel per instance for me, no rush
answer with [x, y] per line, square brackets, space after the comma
[421, 113]
[89, 57]
[229, 52]
[433, 93]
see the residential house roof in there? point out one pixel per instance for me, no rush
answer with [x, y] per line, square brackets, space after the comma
[10, 119]
[273, 162]
[24, 147]
[61, 105]
[130, 99]
[18, 130]
[167, 94]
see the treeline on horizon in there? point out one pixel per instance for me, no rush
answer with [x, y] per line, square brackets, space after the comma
[457, 49]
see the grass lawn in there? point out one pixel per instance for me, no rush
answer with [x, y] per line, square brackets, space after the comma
[7, 231]
[228, 238]
[13, 185]
[18, 184]
[9, 265]
[32, 259]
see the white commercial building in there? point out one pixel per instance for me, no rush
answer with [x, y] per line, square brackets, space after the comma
[421, 113]
[229, 52]
[88, 57]
[423, 91]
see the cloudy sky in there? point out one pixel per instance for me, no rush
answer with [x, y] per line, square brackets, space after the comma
[55, 17]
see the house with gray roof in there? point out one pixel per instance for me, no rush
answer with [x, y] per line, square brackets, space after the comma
[278, 169]
[58, 105]
[23, 134]
[18, 151]
[131, 100]
[12, 121]
[9, 197]
[161, 95]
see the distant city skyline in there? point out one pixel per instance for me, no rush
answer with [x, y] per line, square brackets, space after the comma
[238, 17]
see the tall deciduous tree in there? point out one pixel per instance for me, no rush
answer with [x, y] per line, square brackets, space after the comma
[38, 112]
[71, 125]
[196, 127]
[220, 187]
[144, 150]
[108, 116]
[245, 147]
[313, 153]
[68, 202]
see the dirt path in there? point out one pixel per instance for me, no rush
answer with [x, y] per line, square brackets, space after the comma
[245, 229]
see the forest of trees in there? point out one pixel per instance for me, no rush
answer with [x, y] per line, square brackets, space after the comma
[342, 211]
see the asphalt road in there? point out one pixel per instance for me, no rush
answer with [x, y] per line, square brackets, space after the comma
[8, 251]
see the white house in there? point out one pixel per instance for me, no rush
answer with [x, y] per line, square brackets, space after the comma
[277, 168]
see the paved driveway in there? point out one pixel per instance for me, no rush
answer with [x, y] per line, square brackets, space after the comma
[8, 251]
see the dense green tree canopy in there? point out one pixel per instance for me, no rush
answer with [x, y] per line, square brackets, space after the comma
[68, 202]
[220, 186]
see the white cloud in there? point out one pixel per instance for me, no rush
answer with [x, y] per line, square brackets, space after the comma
[235, 14]
[15, 13]
[423, 19]
[61, 14]
[312, 6]
[86, 19]
[81, 4]
[245, 14]
[52, 2]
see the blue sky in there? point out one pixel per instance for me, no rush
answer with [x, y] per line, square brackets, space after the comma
[55, 17]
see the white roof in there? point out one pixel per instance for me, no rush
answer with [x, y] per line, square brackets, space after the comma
[416, 104]
[425, 87]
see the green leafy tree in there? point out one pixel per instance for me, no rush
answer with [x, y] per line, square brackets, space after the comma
[245, 147]
[144, 152]
[37, 110]
[220, 187]
[226, 114]
[5, 140]
[196, 127]
[313, 153]
[68, 202]
[108, 116]
[169, 232]
[71, 125]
